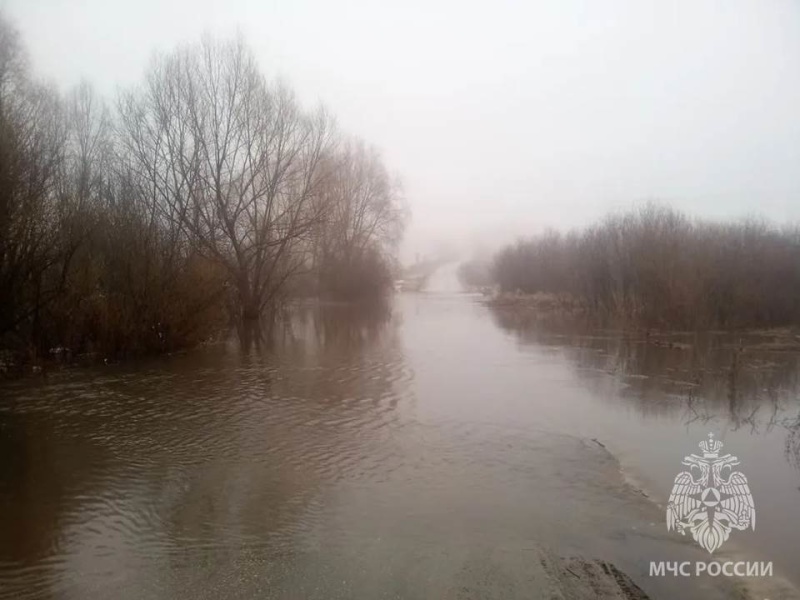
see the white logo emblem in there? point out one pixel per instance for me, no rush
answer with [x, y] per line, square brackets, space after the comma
[706, 502]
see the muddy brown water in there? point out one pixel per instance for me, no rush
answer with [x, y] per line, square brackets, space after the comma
[424, 451]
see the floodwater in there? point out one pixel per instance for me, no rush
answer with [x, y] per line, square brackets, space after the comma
[418, 451]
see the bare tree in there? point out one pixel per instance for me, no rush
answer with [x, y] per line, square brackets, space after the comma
[233, 162]
[32, 141]
[208, 189]
[363, 224]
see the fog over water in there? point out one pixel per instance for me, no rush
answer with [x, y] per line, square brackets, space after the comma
[250, 348]
[501, 118]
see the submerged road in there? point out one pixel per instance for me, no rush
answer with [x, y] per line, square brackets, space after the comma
[430, 450]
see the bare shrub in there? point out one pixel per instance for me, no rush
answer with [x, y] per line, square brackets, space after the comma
[655, 267]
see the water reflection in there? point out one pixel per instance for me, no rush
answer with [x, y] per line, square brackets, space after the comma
[383, 452]
[654, 396]
[191, 460]
[720, 380]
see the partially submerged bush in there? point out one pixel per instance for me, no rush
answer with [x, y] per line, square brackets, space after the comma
[656, 267]
[208, 197]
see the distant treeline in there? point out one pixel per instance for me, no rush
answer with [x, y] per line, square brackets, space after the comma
[205, 196]
[656, 267]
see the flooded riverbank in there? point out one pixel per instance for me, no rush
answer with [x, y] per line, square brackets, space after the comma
[426, 451]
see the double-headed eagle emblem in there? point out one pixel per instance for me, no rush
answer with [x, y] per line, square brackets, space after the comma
[710, 499]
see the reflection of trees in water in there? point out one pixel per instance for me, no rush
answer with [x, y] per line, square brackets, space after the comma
[294, 426]
[207, 452]
[342, 329]
[32, 473]
[730, 379]
[345, 352]
[344, 326]
[42, 472]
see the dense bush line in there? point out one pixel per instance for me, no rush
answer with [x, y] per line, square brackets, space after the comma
[656, 267]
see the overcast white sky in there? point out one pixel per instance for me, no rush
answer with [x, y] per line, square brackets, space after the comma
[501, 117]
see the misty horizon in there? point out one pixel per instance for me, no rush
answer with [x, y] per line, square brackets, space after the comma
[500, 121]
[416, 300]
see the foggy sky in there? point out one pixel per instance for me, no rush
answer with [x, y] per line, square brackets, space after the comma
[500, 117]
